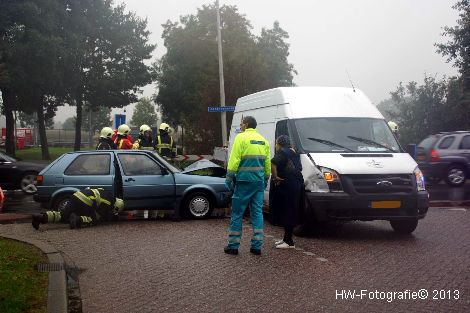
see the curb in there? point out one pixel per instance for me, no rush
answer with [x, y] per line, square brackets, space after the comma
[57, 288]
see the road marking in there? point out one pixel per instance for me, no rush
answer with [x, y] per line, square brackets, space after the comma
[322, 259]
[457, 209]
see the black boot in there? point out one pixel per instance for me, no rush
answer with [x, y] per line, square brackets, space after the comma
[75, 221]
[38, 218]
[229, 250]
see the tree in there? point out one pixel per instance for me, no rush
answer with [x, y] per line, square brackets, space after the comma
[107, 66]
[187, 75]
[69, 123]
[29, 120]
[99, 118]
[144, 113]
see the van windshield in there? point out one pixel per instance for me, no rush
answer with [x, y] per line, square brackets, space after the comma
[346, 134]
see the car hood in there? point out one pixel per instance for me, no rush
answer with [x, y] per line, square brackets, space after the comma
[366, 163]
[200, 165]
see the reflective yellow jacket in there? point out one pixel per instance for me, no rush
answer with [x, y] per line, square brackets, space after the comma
[250, 158]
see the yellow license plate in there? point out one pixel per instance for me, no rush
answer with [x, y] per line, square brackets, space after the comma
[385, 204]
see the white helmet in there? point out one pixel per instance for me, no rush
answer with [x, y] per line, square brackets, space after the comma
[144, 128]
[393, 126]
[123, 130]
[106, 132]
[164, 126]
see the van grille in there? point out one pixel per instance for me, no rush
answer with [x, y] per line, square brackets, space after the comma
[375, 184]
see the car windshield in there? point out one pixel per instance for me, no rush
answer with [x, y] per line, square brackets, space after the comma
[346, 134]
[170, 166]
[6, 158]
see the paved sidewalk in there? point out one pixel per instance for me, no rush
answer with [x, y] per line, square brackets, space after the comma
[162, 266]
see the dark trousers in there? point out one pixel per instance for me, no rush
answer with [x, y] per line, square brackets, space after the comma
[288, 231]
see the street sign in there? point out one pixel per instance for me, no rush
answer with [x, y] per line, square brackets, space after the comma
[119, 119]
[221, 109]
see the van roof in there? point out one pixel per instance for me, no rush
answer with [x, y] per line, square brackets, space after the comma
[313, 102]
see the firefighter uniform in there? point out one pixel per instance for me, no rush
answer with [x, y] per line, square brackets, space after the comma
[122, 140]
[164, 143]
[85, 208]
[144, 141]
[250, 166]
[105, 142]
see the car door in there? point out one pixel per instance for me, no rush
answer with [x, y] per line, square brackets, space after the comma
[89, 170]
[146, 183]
[464, 149]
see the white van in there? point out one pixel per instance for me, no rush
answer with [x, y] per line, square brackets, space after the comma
[353, 166]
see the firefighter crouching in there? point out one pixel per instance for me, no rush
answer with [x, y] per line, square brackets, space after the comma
[85, 208]
[105, 142]
[122, 139]
[164, 143]
[145, 141]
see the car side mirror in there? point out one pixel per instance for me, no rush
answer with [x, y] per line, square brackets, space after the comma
[164, 171]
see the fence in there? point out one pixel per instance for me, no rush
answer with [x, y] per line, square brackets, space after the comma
[66, 137]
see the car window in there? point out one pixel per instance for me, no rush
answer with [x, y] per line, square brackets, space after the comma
[427, 142]
[139, 165]
[446, 142]
[465, 143]
[89, 164]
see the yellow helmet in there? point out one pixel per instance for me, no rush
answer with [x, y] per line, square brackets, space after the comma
[106, 132]
[393, 126]
[164, 126]
[144, 128]
[123, 130]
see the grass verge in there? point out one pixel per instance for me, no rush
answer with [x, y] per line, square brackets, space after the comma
[34, 154]
[22, 288]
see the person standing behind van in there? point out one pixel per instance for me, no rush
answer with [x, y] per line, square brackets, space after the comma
[250, 165]
[287, 192]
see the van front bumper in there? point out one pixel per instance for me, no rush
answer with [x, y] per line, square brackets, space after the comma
[343, 206]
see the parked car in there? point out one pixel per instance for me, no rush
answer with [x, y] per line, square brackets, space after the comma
[445, 156]
[141, 178]
[16, 174]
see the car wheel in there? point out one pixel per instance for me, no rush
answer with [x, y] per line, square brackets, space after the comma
[62, 205]
[455, 175]
[198, 205]
[28, 183]
[404, 227]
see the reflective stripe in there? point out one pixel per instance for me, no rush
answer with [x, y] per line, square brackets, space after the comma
[258, 231]
[234, 233]
[251, 169]
[261, 157]
[258, 237]
[105, 201]
[97, 196]
[53, 216]
[233, 239]
[83, 198]
[86, 219]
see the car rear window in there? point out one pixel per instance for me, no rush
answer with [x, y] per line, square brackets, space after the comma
[427, 143]
[446, 142]
[465, 143]
[89, 164]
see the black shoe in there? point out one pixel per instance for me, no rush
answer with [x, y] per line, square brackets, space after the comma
[75, 221]
[255, 251]
[37, 220]
[231, 251]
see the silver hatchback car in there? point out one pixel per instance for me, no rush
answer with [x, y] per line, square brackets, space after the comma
[142, 179]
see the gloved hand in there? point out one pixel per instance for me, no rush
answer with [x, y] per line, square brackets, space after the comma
[229, 181]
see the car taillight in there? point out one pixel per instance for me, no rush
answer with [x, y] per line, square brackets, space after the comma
[39, 180]
[434, 156]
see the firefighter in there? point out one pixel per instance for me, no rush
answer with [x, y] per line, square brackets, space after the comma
[164, 143]
[122, 140]
[144, 141]
[85, 208]
[105, 142]
[250, 165]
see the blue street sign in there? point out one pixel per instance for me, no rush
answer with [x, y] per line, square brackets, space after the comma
[221, 109]
[119, 119]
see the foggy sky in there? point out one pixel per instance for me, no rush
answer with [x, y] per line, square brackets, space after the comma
[379, 42]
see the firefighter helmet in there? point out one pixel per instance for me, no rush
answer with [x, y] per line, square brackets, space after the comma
[393, 126]
[106, 132]
[164, 126]
[123, 130]
[144, 128]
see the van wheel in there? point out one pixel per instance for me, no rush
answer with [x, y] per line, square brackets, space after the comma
[455, 175]
[198, 205]
[404, 227]
[62, 205]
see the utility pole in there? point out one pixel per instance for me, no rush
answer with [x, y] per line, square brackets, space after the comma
[221, 78]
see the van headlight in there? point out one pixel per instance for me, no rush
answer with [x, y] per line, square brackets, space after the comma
[323, 180]
[419, 179]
